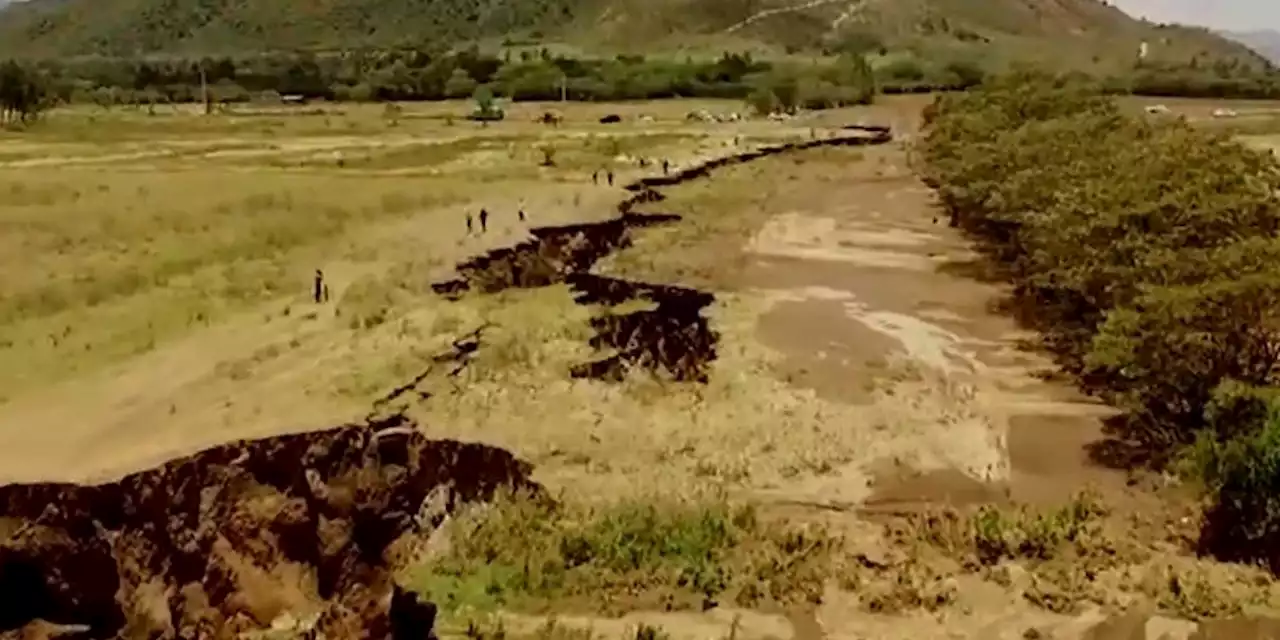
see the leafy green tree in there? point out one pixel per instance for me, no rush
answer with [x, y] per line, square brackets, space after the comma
[1144, 250]
[1165, 355]
[486, 105]
[23, 94]
[903, 70]
[1242, 478]
[460, 84]
[763, 101]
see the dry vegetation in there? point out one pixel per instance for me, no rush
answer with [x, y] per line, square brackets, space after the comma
[160, 272]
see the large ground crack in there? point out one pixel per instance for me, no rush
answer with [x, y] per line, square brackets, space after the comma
[195, 548]
[673, 337]
[224, 541]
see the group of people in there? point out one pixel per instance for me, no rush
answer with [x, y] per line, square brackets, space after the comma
[643, 162]
[484, 220]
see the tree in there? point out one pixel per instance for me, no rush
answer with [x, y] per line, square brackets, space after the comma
[460, 84]
[23, 94]
[1242, 478]
[486, 105]
[1144, 251]
[763, 101]
[965, 73]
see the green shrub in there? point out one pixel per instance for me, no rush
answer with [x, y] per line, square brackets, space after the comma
[1242, 475]
[520, 552]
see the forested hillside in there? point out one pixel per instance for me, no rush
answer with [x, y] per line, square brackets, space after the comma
[1077, 33]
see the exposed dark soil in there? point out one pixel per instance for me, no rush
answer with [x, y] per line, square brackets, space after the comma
[226, 540]
[208, 529]
[673, 337]
[550, 257]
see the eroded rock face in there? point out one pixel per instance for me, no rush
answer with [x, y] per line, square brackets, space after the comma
[227, 539]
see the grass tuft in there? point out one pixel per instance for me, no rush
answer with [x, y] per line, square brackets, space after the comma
[525, 553]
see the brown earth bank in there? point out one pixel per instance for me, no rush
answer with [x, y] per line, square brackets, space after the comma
[229, 539]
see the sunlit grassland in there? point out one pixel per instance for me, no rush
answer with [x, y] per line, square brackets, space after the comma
[123, 229]
[98, 264]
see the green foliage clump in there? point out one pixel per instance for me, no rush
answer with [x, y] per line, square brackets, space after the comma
[522, 552]
[408, 75]
[1242, 475]
[23, 93]
[1145, 251]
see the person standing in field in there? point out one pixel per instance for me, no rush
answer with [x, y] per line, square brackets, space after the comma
[666, 166]
[484, 220]
[468, 223]
[318, 291]
[595, 177]
[609, 175]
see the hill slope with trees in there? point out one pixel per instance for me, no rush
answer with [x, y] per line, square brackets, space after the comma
[1076, 33]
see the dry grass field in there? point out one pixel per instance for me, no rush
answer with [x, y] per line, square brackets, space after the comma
[867, 427]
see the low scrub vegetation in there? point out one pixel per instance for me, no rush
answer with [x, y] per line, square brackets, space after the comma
[524, 553]
[1146, 252]
[432, 75]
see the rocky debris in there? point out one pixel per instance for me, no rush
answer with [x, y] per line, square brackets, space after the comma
[223, 541]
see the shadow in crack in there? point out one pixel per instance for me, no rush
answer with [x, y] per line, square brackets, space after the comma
[213, 528]
[550, 257]
[672, 337]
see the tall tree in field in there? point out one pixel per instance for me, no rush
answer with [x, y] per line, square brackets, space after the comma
[22, 94]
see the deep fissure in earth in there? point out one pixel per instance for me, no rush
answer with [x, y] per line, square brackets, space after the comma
[200, 547]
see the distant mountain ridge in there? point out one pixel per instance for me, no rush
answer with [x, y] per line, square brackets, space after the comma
[1070, 33]
[1264, 41]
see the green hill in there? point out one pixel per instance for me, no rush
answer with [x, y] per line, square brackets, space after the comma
[1074, 33]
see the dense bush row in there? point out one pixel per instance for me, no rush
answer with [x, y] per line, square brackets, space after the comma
[1147, 253]
[415, 74]
[422, 75]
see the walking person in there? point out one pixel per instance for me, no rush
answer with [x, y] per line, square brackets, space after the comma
[610, 177]
[318, 290]
[666, 166]
[521, 214]
[484, 220]
[468, 223]
[595, 177]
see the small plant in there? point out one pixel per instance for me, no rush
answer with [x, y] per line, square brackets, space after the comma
[548, 153]
[487, 108]
[520, 551]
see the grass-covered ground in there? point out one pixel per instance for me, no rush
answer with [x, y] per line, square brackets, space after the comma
[157, 273]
